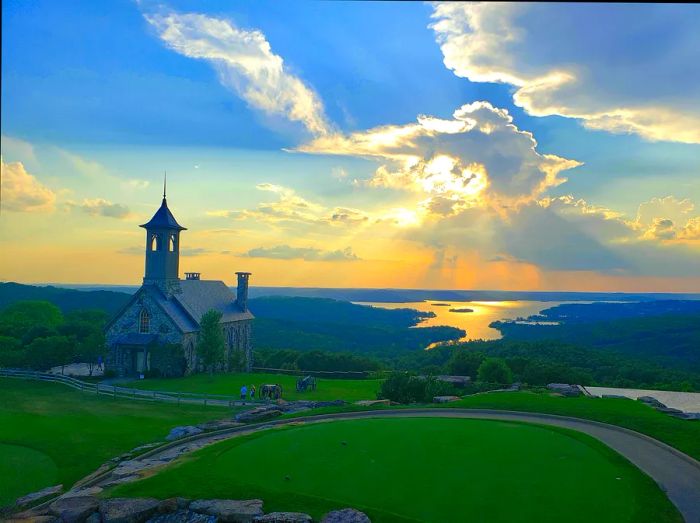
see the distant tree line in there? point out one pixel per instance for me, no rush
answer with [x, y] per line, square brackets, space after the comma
[37, 335]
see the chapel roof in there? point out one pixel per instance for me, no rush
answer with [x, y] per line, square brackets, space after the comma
[163, 219]
[199, 296]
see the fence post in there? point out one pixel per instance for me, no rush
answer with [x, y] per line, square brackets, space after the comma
[205, 400]
[178, 399]
[114, 392]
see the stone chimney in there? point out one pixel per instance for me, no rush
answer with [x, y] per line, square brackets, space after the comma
[242, 290]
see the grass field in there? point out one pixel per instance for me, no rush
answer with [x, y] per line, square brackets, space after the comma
[52, 434]
[681, 434]
[437, 470]
[230, 384]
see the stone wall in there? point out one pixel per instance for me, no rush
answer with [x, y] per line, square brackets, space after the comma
[238, 354]
[128, 322]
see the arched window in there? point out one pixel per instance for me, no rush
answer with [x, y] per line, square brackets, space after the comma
[171, 243]
[155, 242]
[144, 322]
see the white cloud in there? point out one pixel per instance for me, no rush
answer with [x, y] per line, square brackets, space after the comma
[245, 63]
[290, 210]
[22, 192]
[285, 252]
[668, 218]
[560, 64]
[136, 184]
[101, 207]
[478, 155]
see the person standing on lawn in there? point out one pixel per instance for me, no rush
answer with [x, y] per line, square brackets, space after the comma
[244, 392]
[252, 392]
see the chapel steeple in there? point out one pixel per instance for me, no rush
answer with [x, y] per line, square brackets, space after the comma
[162, 247]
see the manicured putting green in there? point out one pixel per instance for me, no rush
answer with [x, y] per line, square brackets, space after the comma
[52, 434]
[230, 384]
[438, 470]
[24, 470]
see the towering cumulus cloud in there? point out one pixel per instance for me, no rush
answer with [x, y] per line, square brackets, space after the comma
[245, 63]
[477, 157]
[23, 192]
[592, 62]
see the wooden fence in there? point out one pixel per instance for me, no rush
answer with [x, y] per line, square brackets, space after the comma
[116, 391]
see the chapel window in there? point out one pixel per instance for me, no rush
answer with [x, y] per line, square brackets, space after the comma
[144, 322]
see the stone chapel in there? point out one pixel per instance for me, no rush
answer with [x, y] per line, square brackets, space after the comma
[168, 310]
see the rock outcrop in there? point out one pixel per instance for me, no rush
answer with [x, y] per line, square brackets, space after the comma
[347, 515]
[128, 510]
[284, 517]
[74, 508]
[565, 389]
[41, 494]
[183, 432]
[229, 510]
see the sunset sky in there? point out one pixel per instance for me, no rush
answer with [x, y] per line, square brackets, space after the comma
[334, 144]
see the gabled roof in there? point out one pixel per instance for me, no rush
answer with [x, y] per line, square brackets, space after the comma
[187, 307]
[163, 219]
[199, 296]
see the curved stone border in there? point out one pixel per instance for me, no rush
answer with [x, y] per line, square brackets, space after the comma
[676, 473]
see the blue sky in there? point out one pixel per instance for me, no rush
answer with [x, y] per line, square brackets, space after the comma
[98, 99]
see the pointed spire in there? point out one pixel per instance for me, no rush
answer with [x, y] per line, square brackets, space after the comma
[165, 182]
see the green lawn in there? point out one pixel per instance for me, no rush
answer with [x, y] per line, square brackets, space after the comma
[438, 470]
[52, 434]
[681, 434]
[230, 384]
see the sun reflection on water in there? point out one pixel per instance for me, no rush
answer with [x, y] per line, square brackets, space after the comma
[475, 323]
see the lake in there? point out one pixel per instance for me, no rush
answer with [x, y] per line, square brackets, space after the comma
[475, 323]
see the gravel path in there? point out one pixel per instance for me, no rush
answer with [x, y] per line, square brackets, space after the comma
[676, 473]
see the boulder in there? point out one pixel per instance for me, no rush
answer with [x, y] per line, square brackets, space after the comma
[259, 414]
[94, 518]
[652, 402]
[445, 399]
[33, 519]
[615, 396]
[183, 432]
[183, 516]
[347, 515]
[173, 505]
[564, 389]
[32, 514]
[40, 494]
[229, 510]
[74, 508]
[284, 517]
[128, 510]
[669, 410]
[82, 492]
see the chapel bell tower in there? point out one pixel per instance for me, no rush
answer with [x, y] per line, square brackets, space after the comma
[162, 247]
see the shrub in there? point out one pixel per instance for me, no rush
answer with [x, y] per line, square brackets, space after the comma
[44, 353]
[495, 370]
[403, 387]
[465, 362]
[211, 341]
[167, 360]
